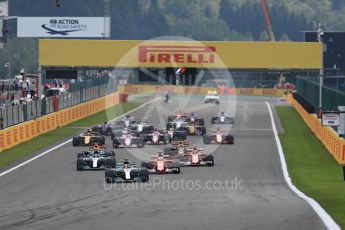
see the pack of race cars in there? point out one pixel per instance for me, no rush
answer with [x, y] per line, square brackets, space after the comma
[132, 133]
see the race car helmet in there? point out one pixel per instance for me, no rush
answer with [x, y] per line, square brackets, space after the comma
[128, 117]
[126, 164]
[194, 148]
[105, 123]
[222, 113]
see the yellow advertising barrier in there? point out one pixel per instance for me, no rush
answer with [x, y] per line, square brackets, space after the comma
[20, 133]
[330, 139]
[161, 54]
[137, 89]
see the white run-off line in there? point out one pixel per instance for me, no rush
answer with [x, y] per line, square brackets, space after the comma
[252, 129]
[325, 217]
[66, 142]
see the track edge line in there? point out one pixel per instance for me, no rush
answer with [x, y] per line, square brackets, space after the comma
[324, 216]
[64, 143]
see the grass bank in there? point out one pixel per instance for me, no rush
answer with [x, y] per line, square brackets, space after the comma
[311, 167]
[28, 148]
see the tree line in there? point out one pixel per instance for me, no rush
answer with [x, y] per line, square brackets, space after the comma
[195, 19]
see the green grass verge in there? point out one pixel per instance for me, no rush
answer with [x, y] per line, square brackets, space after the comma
[311, 167]
[10, 156]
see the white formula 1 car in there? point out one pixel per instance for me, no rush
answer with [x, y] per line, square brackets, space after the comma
[212, 97]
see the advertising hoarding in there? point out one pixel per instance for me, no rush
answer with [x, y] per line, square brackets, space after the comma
[204, 54]
[61, 27]
[331, 119]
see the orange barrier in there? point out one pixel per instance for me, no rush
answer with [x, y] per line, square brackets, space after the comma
[137, 89]
[330, 139]
[20, 133]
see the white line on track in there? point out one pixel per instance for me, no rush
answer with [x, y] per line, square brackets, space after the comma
[325, 217]
[252, 129]
[66, 142]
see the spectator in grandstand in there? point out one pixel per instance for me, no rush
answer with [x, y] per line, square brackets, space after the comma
[16, 84]
[1, 123]
[32, 90]
[25, 88]
[55, 83]
[45, 88]
[3, 87]
[15, 102]
[60, 83]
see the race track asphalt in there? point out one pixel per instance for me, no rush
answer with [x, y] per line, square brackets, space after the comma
[244, 190]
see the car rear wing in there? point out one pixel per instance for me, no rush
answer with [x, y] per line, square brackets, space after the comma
[175, 144]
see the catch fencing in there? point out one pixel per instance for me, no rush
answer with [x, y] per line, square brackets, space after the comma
[77, 94]
[308, 88]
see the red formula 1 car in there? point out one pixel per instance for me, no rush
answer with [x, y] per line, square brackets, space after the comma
[178, 115]
[162, 164]
[218, 137]
[196, 157]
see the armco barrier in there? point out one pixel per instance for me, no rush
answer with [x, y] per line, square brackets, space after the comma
[330, 139]
[137, 89]
[17, 134]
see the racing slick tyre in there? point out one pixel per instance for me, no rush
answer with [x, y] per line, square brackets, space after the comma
[167, 139]
[144, 165]
[112, 153]
[177, 170]
[167, 151]
[213, 120]
[171, 118]
[108, 176]
[115, 144]
[206, 140]
[185, 133]
[144, 176]
[109, 180]
[111, 163]
[201, 121]
[202, 131]
[75, 141]
[112, 135]
[80, 155]
[211, 158]
[102, 140]
[140, 143]
[80, 165]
